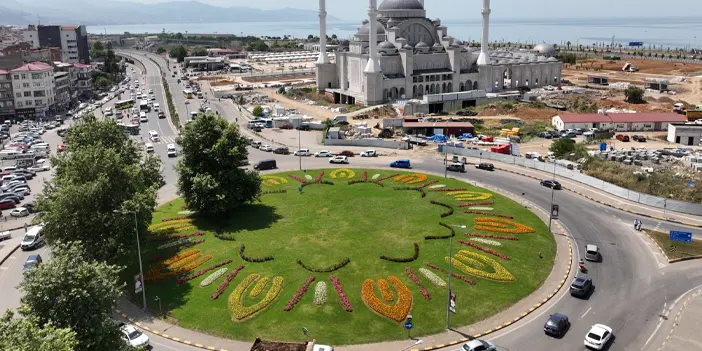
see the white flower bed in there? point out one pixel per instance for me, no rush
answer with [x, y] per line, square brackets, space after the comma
[433, 278]
[174, 243]
[376, 176]
[479, 208]
[486, 241]
[320, 293]
[308, 177]
[212, 277]
[437, 186]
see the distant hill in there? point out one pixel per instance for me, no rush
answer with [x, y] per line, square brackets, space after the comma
[107, 12]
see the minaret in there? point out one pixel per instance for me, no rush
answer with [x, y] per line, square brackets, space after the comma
[323, 56]
[484, 59]
[373, 66]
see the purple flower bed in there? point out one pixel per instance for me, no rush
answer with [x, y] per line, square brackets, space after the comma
[299, 294]
[225, 283]
[344, 300]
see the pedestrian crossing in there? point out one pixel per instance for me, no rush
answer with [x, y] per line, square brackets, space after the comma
[170, 139]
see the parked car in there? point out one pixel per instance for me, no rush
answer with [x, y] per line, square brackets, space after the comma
[303, 127]
[485, 166]
[286, 126]
[456, 167]
[369, 153]
[346, 153]
[641, 139]
[32, 239]
[266, 148]
[479, 345]
[581, 286]
[551, 184]
[303, 152]
[133, 336]
[265, 165]
[31, 207]
[545, 135]
[339, 159]
[622, 137]
[7, 203]
[31, 262]
[598, 336]
[556, 325]
[401, 164]
[282, 151]
[19, 212]
[323, 153]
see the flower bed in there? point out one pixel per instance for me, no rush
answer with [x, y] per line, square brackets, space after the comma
[342, 173]
[191, 244]
[308, 177]
[357, 181]
[433, 278]
[514, 238]
[180, 263]
[455, 275]
[484, 249]
[252, 259]
[340, 291]
[406, 259]
[500, 274]
[259, 287]
[442, 189]
[174, 237]
[191, 276]
[196, 263]
[181, 256]
[449, 207]
[415, 178]
[268, 180]
[279, 191]
[320, 293]
[486, 241]
[301, 291]
[228, 279]
[319, 176]
[469, 195]
[499, 225]
[365, 176]
[437, 186]
[387, 177]
[428, 184]
[399, 311]
[236, 306]
[169, 224]
[488, 214]
[421, 191]
[174, 219]
[376, 176]
[331, 268]
[224, 236]
[385, 291]
[414, 278]
[452, 233]
[481, 208]
[478, 203]
[297, 178]
[213, 276]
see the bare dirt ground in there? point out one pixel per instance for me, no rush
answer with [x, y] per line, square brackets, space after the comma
[305, 109]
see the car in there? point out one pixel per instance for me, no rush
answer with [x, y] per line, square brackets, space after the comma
[323, 153]
[133, 336]
[153, 136]
[266, 148]
[339, 159]
[22, 191]
[149, 148]
[456, 167]
[622, 137]
[635, 137]
[303, 126]
[303, 152]
[571, 134]
[19, 212]
[346, 153]
[641, 139]
[31, 207]
[265, 164]
[32, 239]
[581, 286]
[282, 151]
[592, 253]
[171, 150]
[479, 345]
[369, 153]
[161, 115]
[545, 135]
[598, 336]
[401, 164]
[551, 184]
[485, 166]
[31, 262]
[556, 325]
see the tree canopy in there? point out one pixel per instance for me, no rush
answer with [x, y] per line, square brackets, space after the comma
[104, 172]
[634, 95]
[198, 51]
[562, 146]
[257, 111]
[178, 52]
[76, 293]
[28, 334]
[210, 178]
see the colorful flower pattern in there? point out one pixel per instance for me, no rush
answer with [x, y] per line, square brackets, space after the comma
[320, 293]
[301, 291]
[500, 273]
[213, 276]
[271, 180]
[414, 278]
[402, 306]
[236, 305]
[259, 287]
[340, 291]
[342, 173]
[499, 225]
[484, 249]
[432, 277]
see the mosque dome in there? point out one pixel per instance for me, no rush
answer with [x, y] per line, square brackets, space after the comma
[387, 47]
[545, 49]
[458, 42]
[365, 28]
[401, 5]
[552, 59]
[407, 47]
[422, 46]
[437, 47]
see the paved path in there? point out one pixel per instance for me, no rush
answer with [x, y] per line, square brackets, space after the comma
[684, 333]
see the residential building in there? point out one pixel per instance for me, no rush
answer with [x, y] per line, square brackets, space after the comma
[62, 67]
[63, 89]
[17, 47]
[7, 100]
[620, 122]
[46, 55]
[685, 134]
[83, 83]
[35, 90]
[72, 40]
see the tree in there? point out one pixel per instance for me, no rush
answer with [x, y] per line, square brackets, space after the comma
[634, 95]
[210, 178]
[28, 334]
[98, 50]
[198, 51]
[178, 52]
[97, 46]
[104, 172]
[257, 111]
[160, 50]
[562, 146]
[77, 293]
[102, 83]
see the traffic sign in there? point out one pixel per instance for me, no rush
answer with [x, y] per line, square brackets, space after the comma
[409, 325]
[636, 43]
[685, 237]
[554, 211]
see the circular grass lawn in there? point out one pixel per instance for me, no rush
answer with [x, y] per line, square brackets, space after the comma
[347, 254]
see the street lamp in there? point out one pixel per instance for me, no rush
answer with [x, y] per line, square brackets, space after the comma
[553, 191]
[448, 300]
[141, 270]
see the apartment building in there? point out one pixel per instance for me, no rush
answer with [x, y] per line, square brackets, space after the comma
[84, 83]
[73, 41]
[7, 99]
[34, 87]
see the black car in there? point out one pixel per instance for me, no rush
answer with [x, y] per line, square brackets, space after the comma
[31, 207]
[31, 262]
[581, 286]
[551, 184]
[282, 151]
[545, 135]
[557, 325]
[265, 165]
[485, 166]
[303, 127]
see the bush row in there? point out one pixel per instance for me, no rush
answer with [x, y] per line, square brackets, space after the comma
[436, 237]
[252, 259]
[407, 259]
[331, 268]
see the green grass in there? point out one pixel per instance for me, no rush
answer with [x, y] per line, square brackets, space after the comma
[326, 223]
[676, 249]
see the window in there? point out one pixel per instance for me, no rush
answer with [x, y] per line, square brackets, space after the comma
[27, 94]
[25, 85]
[19, 95]
[37, 75]
[28, 103]
[24, 76]
[15, 76]
[19, 104]
[38, 102]
[9, 104]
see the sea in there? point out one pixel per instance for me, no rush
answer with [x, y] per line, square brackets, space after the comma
[672, 32]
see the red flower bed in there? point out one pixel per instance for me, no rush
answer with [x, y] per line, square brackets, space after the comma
[455, 275]
[489, 214]
[428, 184]
[448, 189]
[191, 244]
[365, 176]
[225, 283]
[299, 294]
[481, 203]
[414, 278]
[514, 238]
[174, 237]
[297, 178]
[340, 291]
[484, 249]
[174, 218]
[191, 276]
[319, 177]
[388, 177]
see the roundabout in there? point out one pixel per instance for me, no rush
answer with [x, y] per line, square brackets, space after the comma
[347, 254]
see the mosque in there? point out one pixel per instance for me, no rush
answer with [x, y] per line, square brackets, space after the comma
[400, 54]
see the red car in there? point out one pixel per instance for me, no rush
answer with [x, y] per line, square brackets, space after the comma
[61, 148]
[346, 153]
[622, 137]
[7, 204]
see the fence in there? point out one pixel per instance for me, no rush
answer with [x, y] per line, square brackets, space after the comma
[644, 199]
[389, 144]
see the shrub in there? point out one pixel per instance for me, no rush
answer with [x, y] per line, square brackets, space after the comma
[407, 259]
[447, 213]
[436, 237]
[331, 268]
[252, 259]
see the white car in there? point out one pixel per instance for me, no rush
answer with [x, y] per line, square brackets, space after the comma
[266, 148]
[369, 153]
[133, 336]
[19, 212]
[153, 136]
[171, 150]
[24, 191]
[41, 166]
[323, 153]
[479, 345]
[598, 336]
[144, 118]
[339, 159]
[303, 152]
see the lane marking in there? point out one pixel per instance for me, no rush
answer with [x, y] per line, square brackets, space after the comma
[586, 312]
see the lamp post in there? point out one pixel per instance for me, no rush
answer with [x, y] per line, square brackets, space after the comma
[448, 298]
[299, 142]
[553, 192]
[141, 270]
[159, 305]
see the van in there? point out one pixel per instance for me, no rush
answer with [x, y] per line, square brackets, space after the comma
[193, 115]
[154, 136]
[256, 144]
[40, 146]
[149, 147]
[171, 150]
[157, 107]
[8, 154]
[265, 164]
[592, 253]
[33, 238]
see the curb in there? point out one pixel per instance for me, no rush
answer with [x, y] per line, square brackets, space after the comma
[677, 317]
[9, 254]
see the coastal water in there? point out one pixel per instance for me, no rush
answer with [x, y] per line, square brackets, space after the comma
[675, 32]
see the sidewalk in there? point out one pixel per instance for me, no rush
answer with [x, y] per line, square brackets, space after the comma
[8, 247]
[684, 333]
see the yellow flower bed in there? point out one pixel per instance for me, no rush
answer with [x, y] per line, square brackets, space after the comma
[470, 261]
[469, 195]
[501, 225]
[342, 173]
[181, 256]
[500, 274]
[270, 180]
[258, 288]
[169, 224]
[176, 265]
[385, 290]
[236, 306]
[399, 311]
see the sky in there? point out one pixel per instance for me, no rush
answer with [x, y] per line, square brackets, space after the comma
[507, 9]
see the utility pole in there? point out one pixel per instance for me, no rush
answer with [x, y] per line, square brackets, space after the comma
[553, 192]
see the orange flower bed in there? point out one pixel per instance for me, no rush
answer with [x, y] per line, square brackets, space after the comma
[163, 270]
[399, 311]
[500, 225]
[181, 256]
[385, 290]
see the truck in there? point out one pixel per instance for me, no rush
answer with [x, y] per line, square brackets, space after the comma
[629, 67]
[338, 119]
[262, 345]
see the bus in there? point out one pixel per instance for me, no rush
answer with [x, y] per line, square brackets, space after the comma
[124, 104]
[144, 106]
[131, 129]
[188, 93]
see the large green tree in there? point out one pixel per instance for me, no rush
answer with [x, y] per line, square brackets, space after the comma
[28, 334]
[104, 172]
[76, 293]
[634, 95]
[198, 51]
[210, 178]
[178, 52]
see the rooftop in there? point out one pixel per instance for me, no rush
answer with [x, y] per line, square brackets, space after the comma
[81, 65]
[2, 71]
[33, 66]
[584, 118]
